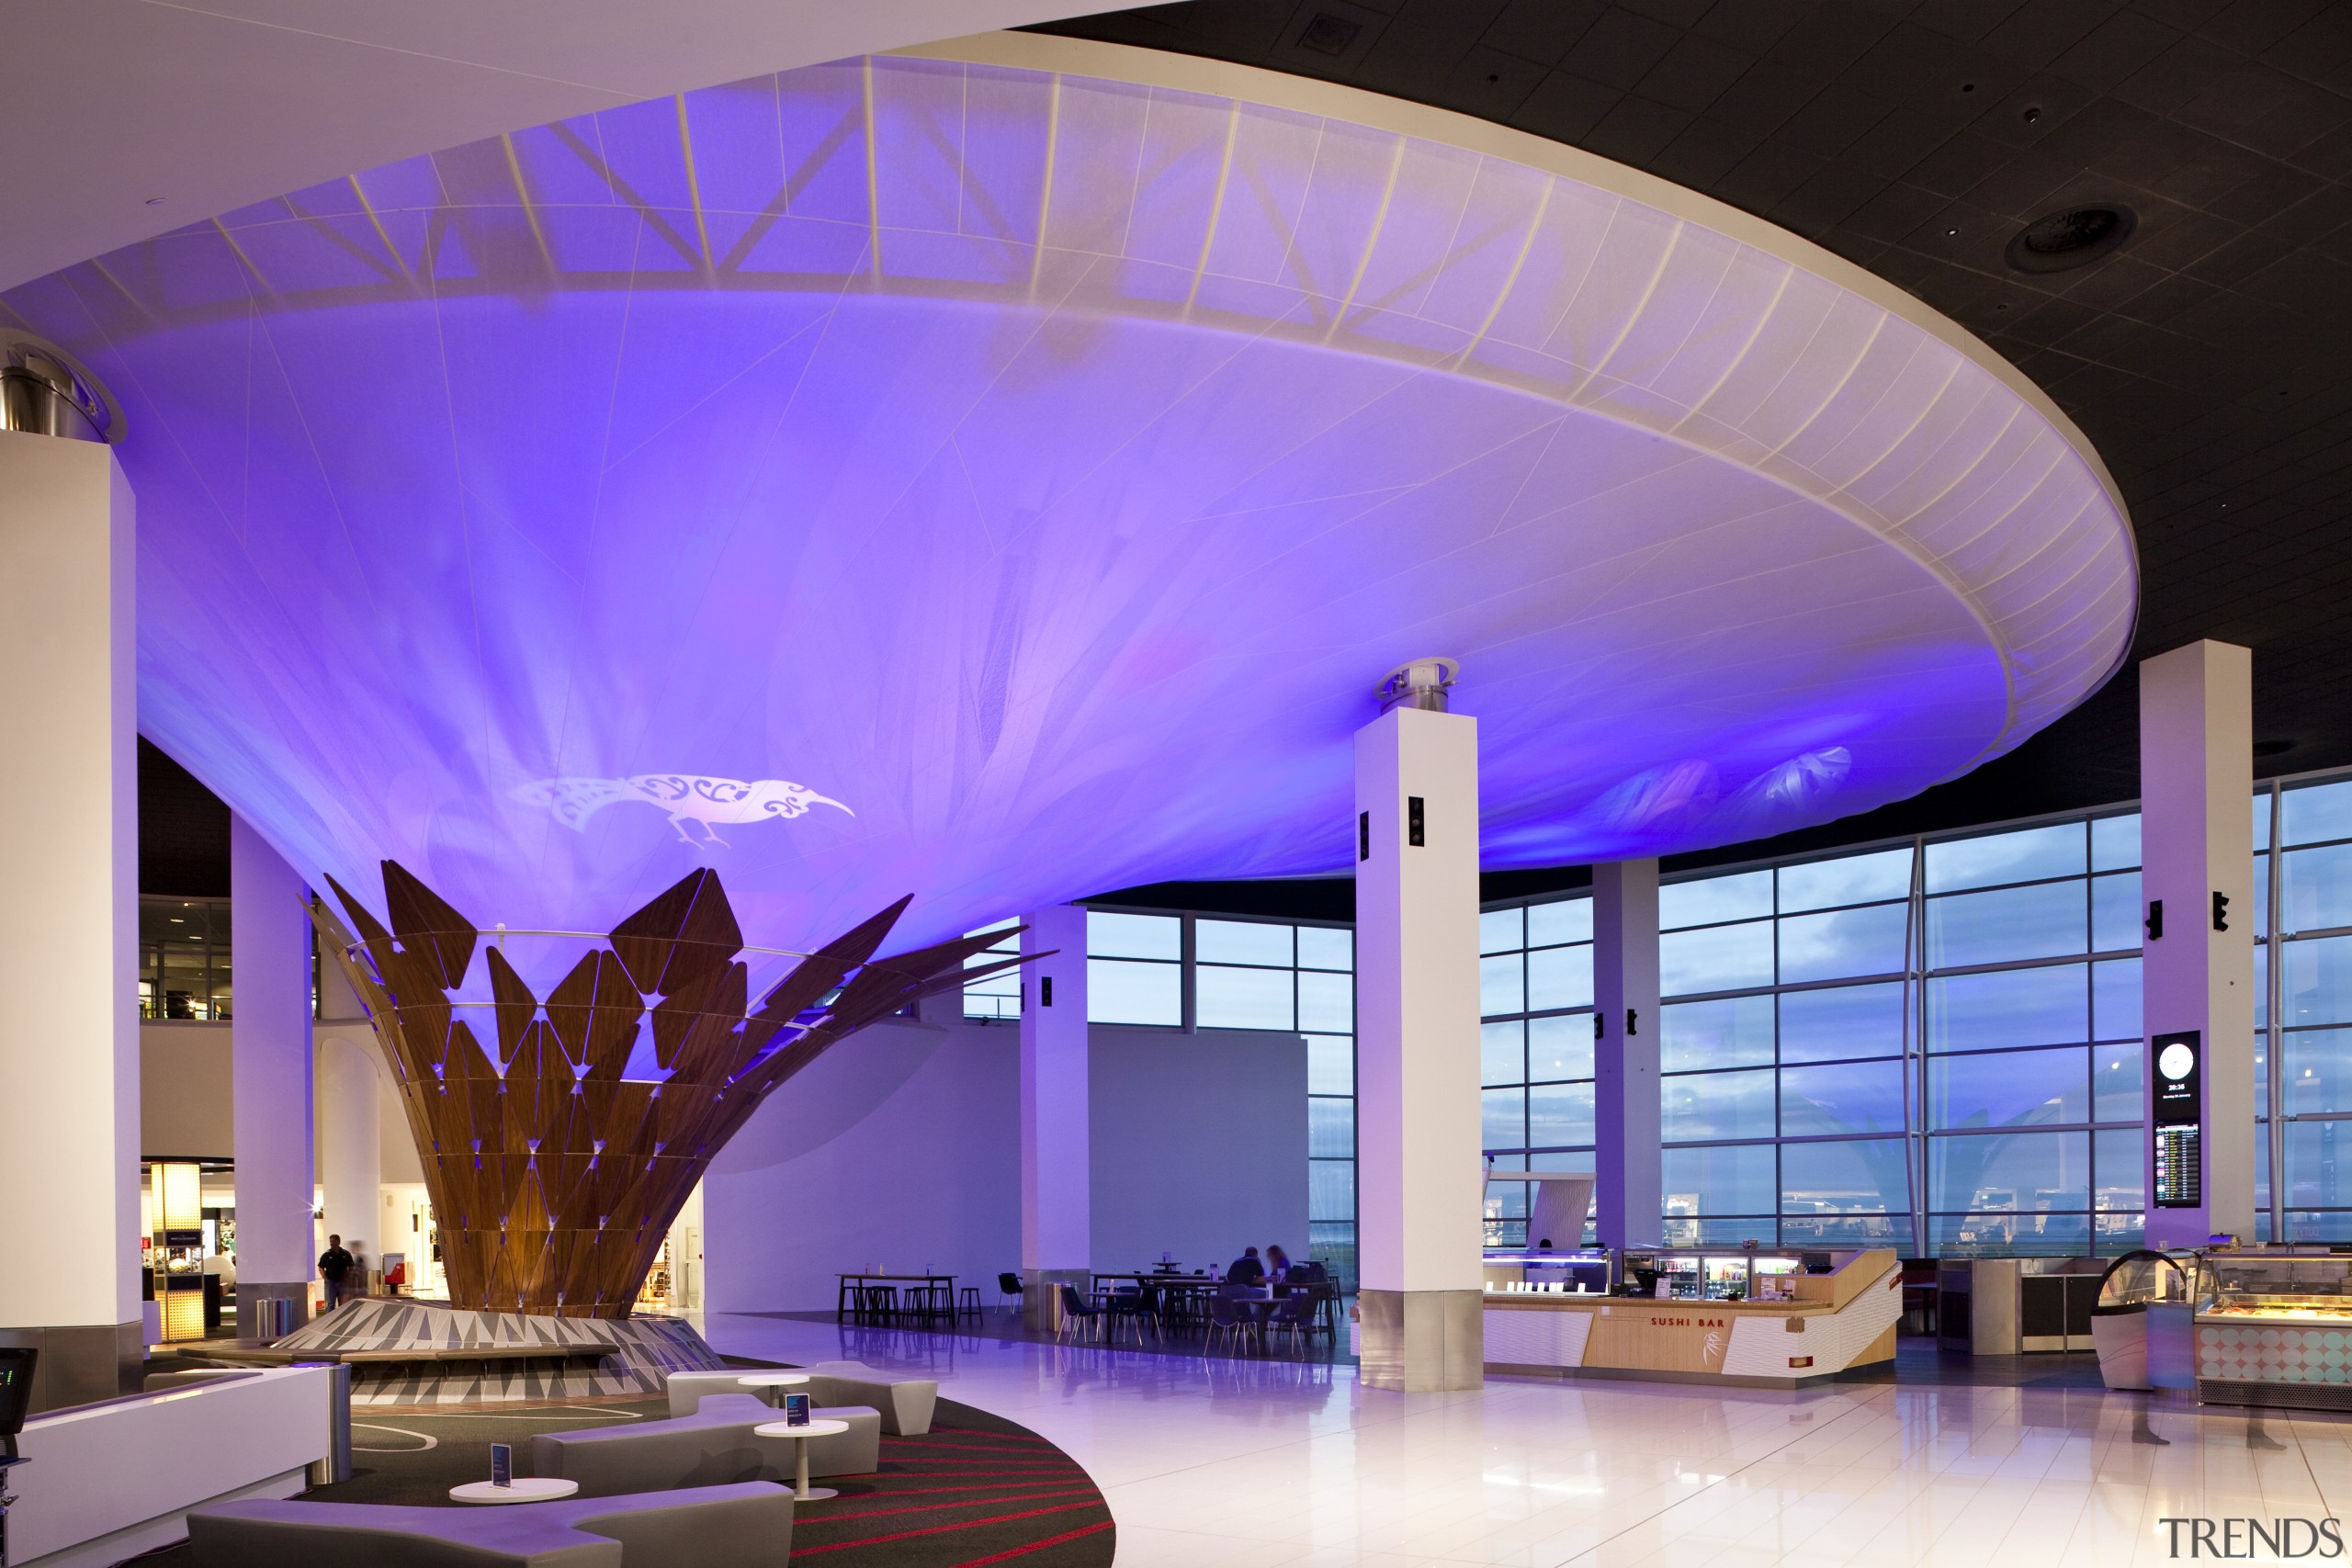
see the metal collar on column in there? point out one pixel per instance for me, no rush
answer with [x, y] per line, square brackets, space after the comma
[1419, 684]
[44, 391]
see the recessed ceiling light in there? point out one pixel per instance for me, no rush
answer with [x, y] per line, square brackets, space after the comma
[2070, 237]
[1968, 87]
[1952, 230]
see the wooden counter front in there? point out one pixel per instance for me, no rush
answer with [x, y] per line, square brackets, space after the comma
[1844, 1320]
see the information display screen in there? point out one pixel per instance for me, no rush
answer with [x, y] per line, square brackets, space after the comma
[2178, 1117]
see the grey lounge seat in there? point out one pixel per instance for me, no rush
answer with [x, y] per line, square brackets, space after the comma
[747, 1525]
[715, 1445]
[905, 1403]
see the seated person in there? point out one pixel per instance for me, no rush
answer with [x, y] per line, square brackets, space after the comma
[1245, 1270]
[1277, 1264]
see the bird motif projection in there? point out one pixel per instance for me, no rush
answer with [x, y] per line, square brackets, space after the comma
[688, 798]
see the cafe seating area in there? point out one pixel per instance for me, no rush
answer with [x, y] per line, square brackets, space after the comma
[1172, 1307]
[1165, 1306]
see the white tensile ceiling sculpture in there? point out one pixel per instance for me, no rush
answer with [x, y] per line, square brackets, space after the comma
[1005, 477]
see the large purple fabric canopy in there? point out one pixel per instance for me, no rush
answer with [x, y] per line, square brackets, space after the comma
[1004, 484]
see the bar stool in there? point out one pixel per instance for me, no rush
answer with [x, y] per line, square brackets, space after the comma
[968, 1303]
[877, 1303]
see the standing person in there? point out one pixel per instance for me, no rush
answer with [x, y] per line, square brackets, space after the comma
[1277, 1264]
[334, 1267]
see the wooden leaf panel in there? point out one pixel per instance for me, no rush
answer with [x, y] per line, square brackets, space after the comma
[712, 1056]
[710, 1009]
[511, 1003]
[428, 926]
[371, 930]
[920, 965]
[800, 991]
[595, 1009]
[680, 939]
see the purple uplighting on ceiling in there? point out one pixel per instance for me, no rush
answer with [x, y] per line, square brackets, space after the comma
[905, 476]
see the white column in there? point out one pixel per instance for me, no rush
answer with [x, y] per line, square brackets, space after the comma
[1055, 1210]
[1627, 1187]
[270, 1077]
[351, 1144]
[1418, 1171]
[69, 863]
[2197, 978]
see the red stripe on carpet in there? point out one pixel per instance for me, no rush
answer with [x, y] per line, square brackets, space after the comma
[1036, 1545]
[935, 1491]
[1033, 1545]
[1023, 1468]
[830, 1517]
[941, 1529]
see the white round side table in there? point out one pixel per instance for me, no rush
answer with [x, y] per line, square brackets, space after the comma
[801, 1490]
[527, 1489]
[768, 1383]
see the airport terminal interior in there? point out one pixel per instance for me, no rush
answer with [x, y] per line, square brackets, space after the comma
[1251, 783]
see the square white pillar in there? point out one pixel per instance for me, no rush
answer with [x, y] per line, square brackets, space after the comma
[2197, 977]
[69, 860]
[1056, 1225]
[1420, 1175]
[1627, 1176]
[270, 1079]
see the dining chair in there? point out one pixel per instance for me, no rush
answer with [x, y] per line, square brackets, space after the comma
[1293, 1315]
[1230, 1320]
[1136, 1306]
[1076, 1317]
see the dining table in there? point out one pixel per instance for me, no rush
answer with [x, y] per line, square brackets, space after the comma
[844, 1297]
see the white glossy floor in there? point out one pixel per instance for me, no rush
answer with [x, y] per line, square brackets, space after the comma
[1250, 1464]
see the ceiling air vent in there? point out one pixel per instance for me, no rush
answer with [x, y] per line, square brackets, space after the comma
[1327, 34]
[2070, 237]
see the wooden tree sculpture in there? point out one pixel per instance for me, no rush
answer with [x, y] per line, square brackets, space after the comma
[553, 1178]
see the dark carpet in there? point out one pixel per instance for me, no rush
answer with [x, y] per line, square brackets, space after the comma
[975, 1489]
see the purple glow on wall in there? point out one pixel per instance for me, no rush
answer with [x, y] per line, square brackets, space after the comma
[1049, 567]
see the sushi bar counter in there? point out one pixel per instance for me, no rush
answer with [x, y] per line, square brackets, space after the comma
[1782, 1326]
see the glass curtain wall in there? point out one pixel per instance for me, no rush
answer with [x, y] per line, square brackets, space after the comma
[1937, 1045]
[1934, 1045]
[1534, 1052]
[2307, 1022]
[1185, 973]
[1786, 1046]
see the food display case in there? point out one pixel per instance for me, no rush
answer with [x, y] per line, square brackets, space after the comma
[2274, 1327]
[1745, 1274]
[1585, 1273]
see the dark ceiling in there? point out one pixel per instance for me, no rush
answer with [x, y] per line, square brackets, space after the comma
[2208, 357]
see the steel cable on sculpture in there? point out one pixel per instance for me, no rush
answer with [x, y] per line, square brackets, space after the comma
[553, 1172]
